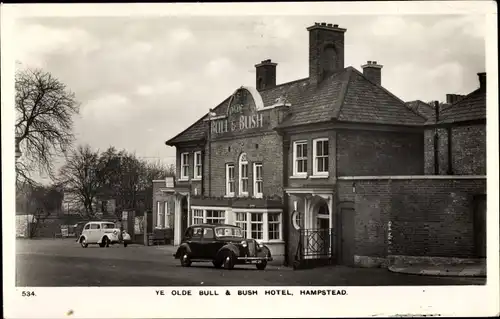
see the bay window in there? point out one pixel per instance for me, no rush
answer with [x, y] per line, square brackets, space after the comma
[229, 180]
[260, 225]
[274, 222]
[208, 216]
[185, 166]
[198, 216]
[258, 181]
[300, 158]
[320, 155]
[197, 165]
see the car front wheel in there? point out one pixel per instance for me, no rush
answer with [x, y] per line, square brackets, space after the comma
[228, 261]
[261, 265]
[105, 242]
[185, 260]
[83, 242]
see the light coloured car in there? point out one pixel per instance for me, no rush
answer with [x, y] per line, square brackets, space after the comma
[101, 233]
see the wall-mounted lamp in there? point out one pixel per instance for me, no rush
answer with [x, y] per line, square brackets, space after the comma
[354, 187]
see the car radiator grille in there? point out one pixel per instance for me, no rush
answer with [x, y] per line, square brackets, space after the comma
[251, 248]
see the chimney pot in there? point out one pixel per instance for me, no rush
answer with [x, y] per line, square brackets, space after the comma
[335, 25]
[482, 80]
[369, 62]
[323, 23]
[329, 24]
[374, 62]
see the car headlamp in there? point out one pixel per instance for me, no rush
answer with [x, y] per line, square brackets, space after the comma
[244, 243]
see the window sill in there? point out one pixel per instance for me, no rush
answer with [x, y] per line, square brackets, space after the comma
[229, 196]
[258, 196]
[183, 179]
[298, 177]
[196, 179]
[319, 176]
[243, 194]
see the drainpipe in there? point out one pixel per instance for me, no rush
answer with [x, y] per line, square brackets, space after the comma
[436, 139]
[210, 115]
[450, 162]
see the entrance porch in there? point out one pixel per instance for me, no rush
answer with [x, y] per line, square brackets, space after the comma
[313, 227]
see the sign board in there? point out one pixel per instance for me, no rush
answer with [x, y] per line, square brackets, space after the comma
[125, 215]
[169, 182]
[139, 225]
[242, 115]
[64, 231]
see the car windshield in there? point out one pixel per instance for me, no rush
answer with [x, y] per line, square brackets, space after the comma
[108, 226]
[228, 232]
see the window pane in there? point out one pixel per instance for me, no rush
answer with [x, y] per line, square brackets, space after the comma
[257, 217]
[325, 148]
[304, 150]
[319, 148]
[256, 231]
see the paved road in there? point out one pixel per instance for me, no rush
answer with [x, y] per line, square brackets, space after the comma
[57, 262]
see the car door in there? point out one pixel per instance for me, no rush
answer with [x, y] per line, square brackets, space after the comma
[93, 233]
[195, 242]
[86, 232]
[210, 245]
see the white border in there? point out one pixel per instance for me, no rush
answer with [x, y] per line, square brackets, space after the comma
[376, 301]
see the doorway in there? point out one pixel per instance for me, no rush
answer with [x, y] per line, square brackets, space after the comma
[347, 236]
[480, 226]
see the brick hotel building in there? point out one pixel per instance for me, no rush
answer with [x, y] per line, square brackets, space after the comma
[333, 167]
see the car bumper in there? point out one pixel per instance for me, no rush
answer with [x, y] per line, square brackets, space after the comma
[251, 260]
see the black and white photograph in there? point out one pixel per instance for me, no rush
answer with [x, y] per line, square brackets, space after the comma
[202, 154]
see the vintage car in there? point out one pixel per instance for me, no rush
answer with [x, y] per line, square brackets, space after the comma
[223, 245]
[103, 234]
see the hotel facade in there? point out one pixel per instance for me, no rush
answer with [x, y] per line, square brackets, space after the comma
[332, 168]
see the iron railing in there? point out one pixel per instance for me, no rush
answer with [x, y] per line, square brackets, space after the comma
[316, 244]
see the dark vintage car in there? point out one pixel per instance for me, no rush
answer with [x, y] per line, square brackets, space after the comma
[223, 245]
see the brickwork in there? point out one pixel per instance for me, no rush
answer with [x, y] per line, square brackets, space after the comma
[265, 149]
[443, 167]
[429, 217]
[368, 153]
[326, 45]
[158, 197]
[469, 150]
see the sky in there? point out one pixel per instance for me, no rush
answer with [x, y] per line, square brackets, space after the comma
[141, 81]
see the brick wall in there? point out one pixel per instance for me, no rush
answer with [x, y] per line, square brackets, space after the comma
[368, 153]
[429, 217]
[265, 149]
[468, 149]
[429, 151]
[191, 182]
[157, 197]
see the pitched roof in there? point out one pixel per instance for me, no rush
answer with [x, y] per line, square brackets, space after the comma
[471, 107]
[346, 95]
[421, 108]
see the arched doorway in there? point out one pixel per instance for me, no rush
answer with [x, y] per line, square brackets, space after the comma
[318, 235]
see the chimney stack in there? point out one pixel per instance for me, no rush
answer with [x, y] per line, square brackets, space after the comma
[265, 75]
[482, 81]
[452, 98]
[373, 72]
[326, 50]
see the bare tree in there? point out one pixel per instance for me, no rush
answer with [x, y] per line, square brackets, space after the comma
[44, 121]
[83, 177]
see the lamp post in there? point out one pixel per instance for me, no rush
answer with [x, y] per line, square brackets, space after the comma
[211, 114]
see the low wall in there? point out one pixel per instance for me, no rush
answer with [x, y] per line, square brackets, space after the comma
[420, 216]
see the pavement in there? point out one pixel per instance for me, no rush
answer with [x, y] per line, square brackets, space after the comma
[64, 263]
[463, 270]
